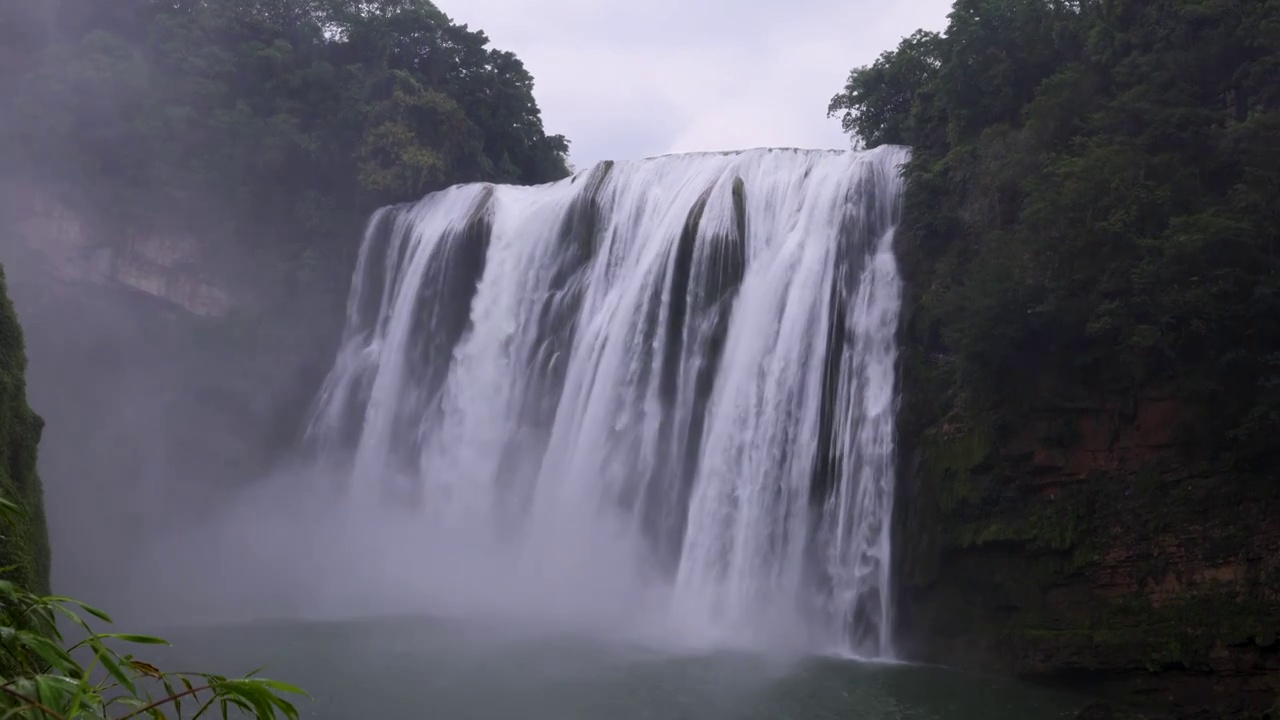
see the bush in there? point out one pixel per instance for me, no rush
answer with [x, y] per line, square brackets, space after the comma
[44, 676]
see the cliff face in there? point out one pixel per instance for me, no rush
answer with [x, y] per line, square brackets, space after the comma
[167, 365]
[1090, 541]
[1090, 378]
[24, 544]
[64, 244]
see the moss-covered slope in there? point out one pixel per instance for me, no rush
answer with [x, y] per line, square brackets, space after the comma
[25, 544]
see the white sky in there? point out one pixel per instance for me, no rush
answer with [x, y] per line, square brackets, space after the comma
[627, 79]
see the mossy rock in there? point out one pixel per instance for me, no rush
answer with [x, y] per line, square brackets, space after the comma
[740, 207]
[24, 544]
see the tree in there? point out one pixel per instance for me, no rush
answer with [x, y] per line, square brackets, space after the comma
[1092, 199]
[877, 100]
[254, 114]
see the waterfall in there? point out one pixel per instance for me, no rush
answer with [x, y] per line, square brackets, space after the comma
[686, 361]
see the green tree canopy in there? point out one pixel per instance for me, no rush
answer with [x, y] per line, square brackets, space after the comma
[1094, 197]
[283, 118]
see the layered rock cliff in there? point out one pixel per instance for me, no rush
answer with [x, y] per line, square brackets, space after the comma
[66, 243]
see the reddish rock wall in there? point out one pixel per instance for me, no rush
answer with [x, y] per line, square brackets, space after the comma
[1093, 544]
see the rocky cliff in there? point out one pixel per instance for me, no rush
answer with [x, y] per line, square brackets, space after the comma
[168, 366]
[1088, 540]
[24, 541]
[67, 244]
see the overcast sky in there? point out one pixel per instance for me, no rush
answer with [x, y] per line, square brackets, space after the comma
[626, 79]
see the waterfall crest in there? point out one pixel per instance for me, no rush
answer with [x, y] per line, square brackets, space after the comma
[687, 361]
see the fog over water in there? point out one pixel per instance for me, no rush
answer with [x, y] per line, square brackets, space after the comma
[654, 400]
[617, 446]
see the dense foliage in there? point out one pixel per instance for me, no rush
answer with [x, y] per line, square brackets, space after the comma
[276, 122]
[46, 676]
[1093, 202]
[24, 544]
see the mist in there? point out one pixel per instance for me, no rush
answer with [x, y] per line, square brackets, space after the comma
[178, 493]
[178, 238]
[155, 418]
[292, 549]
[532, 414]
[474, 452]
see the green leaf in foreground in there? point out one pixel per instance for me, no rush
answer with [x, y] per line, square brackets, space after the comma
[42, 678]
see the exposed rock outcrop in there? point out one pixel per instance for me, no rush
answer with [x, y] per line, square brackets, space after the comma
[166, 378]
[66, 246]
[1092, 543]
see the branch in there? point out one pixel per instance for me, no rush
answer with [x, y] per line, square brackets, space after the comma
[31, 702]
[165, 701]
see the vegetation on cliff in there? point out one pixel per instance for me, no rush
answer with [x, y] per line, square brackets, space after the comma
[46, 676]
[228, 151]
[281, 123]
[1091, 341]
[24, 543]
[1094, 194]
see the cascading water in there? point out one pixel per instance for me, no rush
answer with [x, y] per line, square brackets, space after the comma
[687, 362]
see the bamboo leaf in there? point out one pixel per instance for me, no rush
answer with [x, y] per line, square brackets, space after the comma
[109, 662]
[137, 639]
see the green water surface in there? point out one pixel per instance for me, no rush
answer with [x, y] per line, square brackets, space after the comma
[455, 670]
